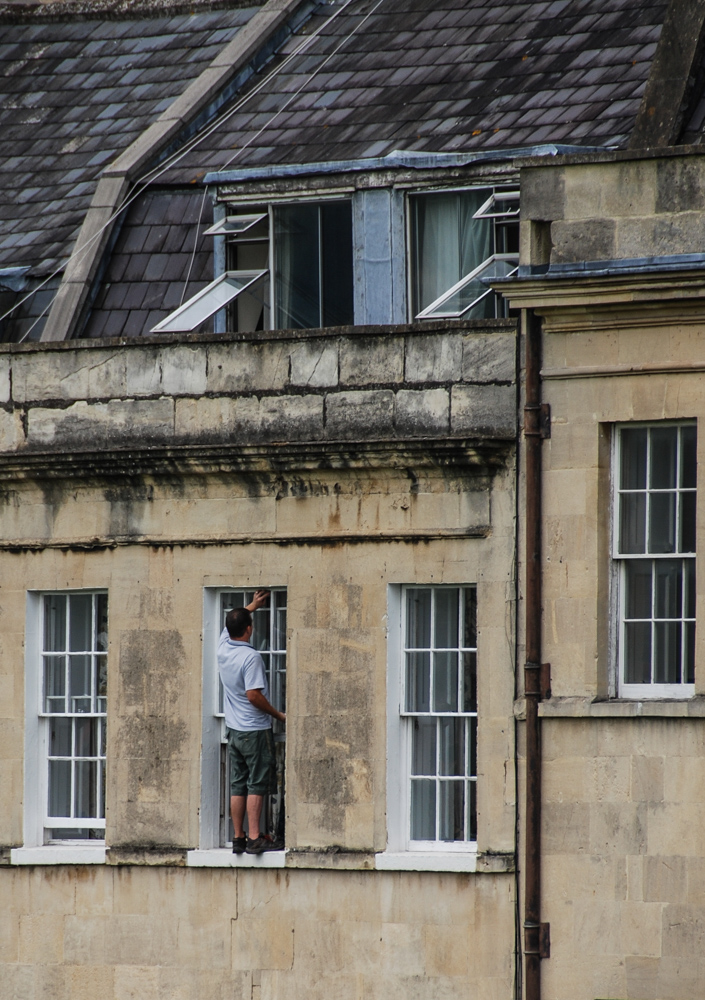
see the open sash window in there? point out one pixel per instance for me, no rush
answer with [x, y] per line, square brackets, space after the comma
[460, 241]
[287, 267]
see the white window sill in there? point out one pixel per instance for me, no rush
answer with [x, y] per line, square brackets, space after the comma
[223, 857]
[58, 854]
[426, 861]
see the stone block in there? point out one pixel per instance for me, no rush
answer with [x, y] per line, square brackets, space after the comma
[51, 375]
[422, 413]
[680, 186]
[543, 193]
[446, 950]
[183, 370]
[217, 419]
[683, 931]
[371, 360]
[314, 363]
[12, 434]
[120, 422]
[84, 940]
[566, 827]
[591, 239]
[360, 415]
[5, 381]
[489, 358]
[262, 942]
[618, 828]
[433, 357]
[665, 879]
[248, 367]
[647, 779]
[291, 418]
[486, 411]
[640, 928]
[143, 371]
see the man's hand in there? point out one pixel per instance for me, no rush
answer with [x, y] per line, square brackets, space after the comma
[261, 597]
[256, 697]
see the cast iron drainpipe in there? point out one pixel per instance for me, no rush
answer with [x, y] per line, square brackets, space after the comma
[536, 675]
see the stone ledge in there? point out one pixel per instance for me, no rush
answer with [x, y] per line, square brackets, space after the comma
[223, 857]
[58, 854]
[147, 856]
[617, 708]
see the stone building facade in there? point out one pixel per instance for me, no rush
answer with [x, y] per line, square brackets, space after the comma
[162, 473]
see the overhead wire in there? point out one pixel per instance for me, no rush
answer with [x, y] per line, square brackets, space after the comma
[147, 179]
[269, 121]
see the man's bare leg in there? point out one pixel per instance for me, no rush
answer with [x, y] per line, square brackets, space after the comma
[237, 811]
[254, 811]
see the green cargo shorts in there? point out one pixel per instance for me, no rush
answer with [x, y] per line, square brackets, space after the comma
[252, 762]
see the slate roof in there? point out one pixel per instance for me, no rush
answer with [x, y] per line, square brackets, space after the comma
[72, 95]
[153, 257]
[453, 76]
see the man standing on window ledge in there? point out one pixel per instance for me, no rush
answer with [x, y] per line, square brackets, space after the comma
[248, 716]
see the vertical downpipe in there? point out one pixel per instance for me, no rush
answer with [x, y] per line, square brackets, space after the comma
[532, 669]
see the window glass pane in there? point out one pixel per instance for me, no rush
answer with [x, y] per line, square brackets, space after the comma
[667, 653]
[452, 749]
[446, 635]
[55, 683]
[418, 619]
[687, 526]
[80, 683]
[689, 652]
[632, 522]
[55, 622]
[279, 681]
[638, 583]
[447, 242]
[59, 787]
[633, 464]
[296, 268]
[445, 682]
[688, 457]
[101, 622]
[669, 585]
[423, 809]
[423, 746]
[637, 652]
[469, 682]
[101, 682]
[662, 522]
[60, 738]
[80, 622]
[472, 810]
[101, 795]
[418, 682]
[452, 810]
[260, 629]
[337, 263]
[664, 443]
[472, 745]
[470, 623]
[689, 601]
[85, 788]
[86, 741]
[280, 629]
[103, 736]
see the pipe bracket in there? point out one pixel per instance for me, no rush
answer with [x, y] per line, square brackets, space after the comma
[537, 939]
[537, 420]
[537, 680]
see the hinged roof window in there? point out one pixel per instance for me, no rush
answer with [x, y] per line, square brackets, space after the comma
[500, 205]
[209, 300]
[471, 289]
[236, 225]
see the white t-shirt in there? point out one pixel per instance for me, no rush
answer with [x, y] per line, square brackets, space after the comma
[241, 669]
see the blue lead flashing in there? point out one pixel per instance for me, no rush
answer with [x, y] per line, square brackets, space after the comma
[411, 158]
[607, 268]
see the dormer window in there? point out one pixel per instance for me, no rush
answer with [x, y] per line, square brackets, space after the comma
[288, 266]
[460, 240]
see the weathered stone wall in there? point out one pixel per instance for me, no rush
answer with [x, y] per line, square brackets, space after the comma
[623, 794]
[338, 465]
[160, 933]
[604, 211]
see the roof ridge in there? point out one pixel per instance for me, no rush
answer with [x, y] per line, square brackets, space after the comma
[45, 11]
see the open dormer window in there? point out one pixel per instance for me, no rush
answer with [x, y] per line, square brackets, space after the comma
[287, 266]
[460, 241]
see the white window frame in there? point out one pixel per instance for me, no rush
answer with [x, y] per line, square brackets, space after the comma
[211, 848]
[36, 744]
[490, 209]
[402, 853]
[671, 691]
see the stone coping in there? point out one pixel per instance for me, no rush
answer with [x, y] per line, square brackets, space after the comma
[616, 708]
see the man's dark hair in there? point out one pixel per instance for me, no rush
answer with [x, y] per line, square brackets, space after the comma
[237, 622]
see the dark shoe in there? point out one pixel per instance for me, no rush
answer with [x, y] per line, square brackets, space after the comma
[258, 846]
[239, 845]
